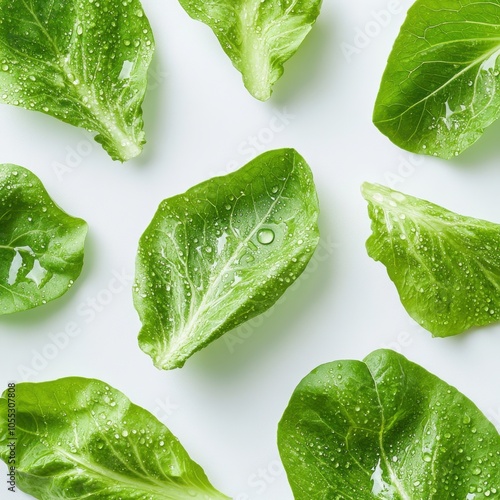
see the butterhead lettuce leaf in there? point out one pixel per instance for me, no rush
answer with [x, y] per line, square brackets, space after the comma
[84, 62]
[445, 266]
[223, 252]
[385, 428]
[80, 438]
[41, 247]
[259, 36]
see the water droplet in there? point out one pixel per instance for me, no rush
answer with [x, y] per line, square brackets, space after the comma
[265, 236]
[398, 196]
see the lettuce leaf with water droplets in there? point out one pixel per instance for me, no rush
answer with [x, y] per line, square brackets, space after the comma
[223, 252]
[445, 266]
[79, 438]
[84, 62]
[440, 88]
[386, 429]
[259, 36]
[41, 247]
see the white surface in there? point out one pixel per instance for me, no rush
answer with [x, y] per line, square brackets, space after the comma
[224, 406]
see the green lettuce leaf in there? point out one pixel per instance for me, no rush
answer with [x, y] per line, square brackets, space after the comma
[84, 62]
[41, 247]
[445, 266]
[79, 438]
[439, 90]
[259, 36]
[223, 252]
[386, 428]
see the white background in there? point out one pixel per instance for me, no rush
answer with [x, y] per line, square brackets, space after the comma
[224, 405]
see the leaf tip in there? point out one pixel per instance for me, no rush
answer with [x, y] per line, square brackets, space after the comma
[121, 147]
[373, 192]
[261, 94]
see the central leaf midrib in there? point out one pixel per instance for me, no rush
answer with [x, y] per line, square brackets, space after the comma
[106, 474]
[98, 118]
[395, 480]
[202, 306]
[255, 60]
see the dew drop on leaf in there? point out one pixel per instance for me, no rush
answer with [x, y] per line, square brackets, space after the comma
[266, 236]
